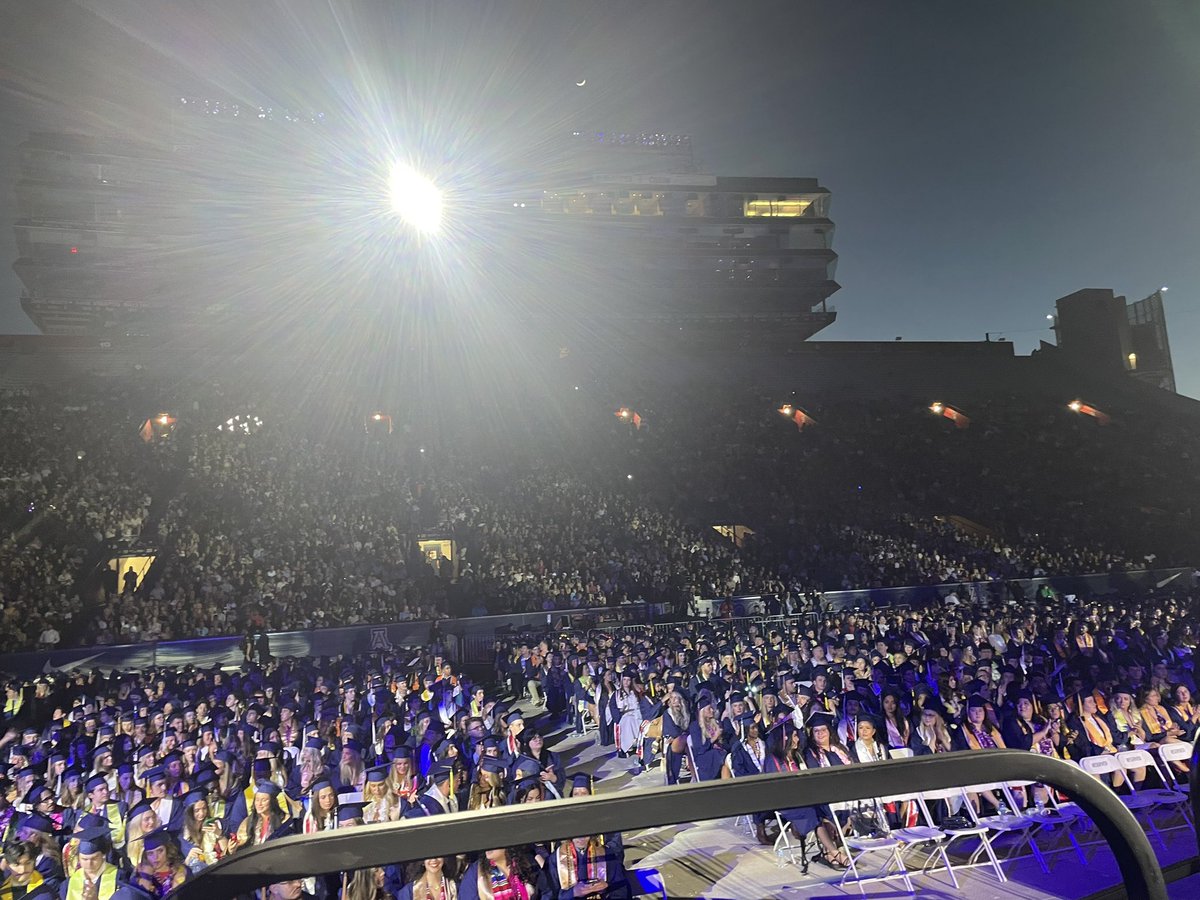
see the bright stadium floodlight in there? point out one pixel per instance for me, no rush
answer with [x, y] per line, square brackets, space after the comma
[415, 199]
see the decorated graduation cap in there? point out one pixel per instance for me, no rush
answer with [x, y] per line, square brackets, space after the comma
[94, 839]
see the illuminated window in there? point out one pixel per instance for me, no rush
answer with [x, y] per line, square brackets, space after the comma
[785, 207]
[1132, 362]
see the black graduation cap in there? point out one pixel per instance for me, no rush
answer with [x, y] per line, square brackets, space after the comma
[348, 812]
[93, 840]
[526, 764]
[524, 785]
[378, 773]
[35, 821]
[269, 788]
[494, 765]
[441, 772]
[821, 717]
[159, 837]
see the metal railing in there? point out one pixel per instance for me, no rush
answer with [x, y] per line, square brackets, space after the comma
[415, 839]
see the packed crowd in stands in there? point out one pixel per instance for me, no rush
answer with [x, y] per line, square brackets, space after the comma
[132, 783]
[308, 521]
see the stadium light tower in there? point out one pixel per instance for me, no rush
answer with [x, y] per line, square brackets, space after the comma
[415, 199]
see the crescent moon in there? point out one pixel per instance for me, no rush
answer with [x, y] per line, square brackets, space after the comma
[581, 83]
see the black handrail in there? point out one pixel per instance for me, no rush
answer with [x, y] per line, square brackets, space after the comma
[378, 845]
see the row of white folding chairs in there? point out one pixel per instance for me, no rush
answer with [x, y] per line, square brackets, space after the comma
[1149, 804]
[1018, 828]
[897, 844]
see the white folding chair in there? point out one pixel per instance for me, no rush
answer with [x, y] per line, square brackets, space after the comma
[785, 851]
[1048, 819]
[1015, 825]
[1163, 798]
[923, 835]
[1082, 825]
[1176, 751]
[859, 848]
[955, 834]
[1140, 805]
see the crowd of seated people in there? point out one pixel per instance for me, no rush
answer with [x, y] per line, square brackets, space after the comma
[295, 523]
[134, 782]
[71, 479]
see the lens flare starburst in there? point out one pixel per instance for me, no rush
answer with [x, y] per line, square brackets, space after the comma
[415, 199]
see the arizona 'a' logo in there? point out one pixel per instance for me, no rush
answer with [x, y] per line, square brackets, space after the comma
[379, 640]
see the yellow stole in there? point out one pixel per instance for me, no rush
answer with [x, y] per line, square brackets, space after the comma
[107, 887]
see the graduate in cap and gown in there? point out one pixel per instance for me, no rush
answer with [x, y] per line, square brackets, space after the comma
[402, 779]
[23, 881]
[96, 878]
[265, 818]
[785, 754]
[676, 720]
[381, 805]
[488, 788]
[202, 839]
[625, 708]
[589, 867]
[439, 797]
[161, 869]
[704, 747]
[430, 879]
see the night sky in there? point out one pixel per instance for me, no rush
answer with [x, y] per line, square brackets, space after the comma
[985, 158]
